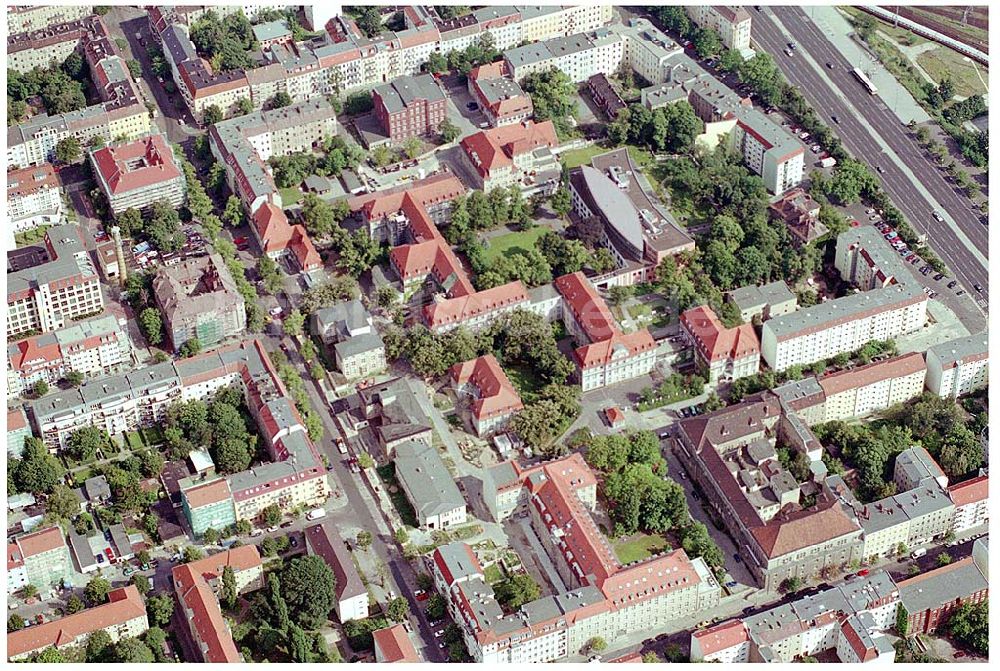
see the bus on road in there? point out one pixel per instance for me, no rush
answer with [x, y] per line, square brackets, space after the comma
[863, 78]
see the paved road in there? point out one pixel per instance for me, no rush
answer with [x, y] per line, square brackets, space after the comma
[871, 132]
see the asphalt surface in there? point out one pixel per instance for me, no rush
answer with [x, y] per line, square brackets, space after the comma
[904, 181]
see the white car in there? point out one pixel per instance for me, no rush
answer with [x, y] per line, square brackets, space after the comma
[256, 533]
[315, 514]
[271, 530]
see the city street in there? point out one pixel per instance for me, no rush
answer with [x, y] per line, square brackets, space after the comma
[872, 133]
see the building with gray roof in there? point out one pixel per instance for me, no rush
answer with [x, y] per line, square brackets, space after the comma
[915, 464]
[429, 486]
[959, 366]
[410, 106]
[930, 597]
[768, 300]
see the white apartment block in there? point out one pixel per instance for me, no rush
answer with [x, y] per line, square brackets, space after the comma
[732, 23]
[28, 18]
[842, 325]
[874, 387]
[34, 198]
[972, 503]
[578, 56]
[770, 152]
[958, 367]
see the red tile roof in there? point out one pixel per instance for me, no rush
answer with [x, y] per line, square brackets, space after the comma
[136, 165]
[862, 376]
[271, 226]
[41, 541]
[614, 415]
[239, 559]
[34, 349]
[14, 558]
[208, 493]
[722, 637]
[27, 181]
[496, 148]
[124, 605]
[863, 652]
[497, 395]
[395, 645]
[434, 189]
[971, 491]
[467, 306]
[489, 71]
[602, 353]
[301, 245]
[714, 341]
[16, 420]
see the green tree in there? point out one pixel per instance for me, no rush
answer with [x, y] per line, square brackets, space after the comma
[398, 609]
[62, 503]
[74, 604]
[160, 608]
[271, 515]
[131, 650]
[141, 583]
[152, 325]
[309, 588]
[516, 590]
[99, 646]
[364, 540]
[233, 214]
[40, 388]
[561, 202]
[436, 607]
[789, 585]
[969, 625]
[595, 644]
[96, 591]
[212, 115]
[706, 42]
[229, 595]
[38, 472]
[244, 106]
[280, 99]
[411, 147]
[68, 150]
[294, 323]
[14, 623]
[49, 655]
[449, 131]
[190, 347]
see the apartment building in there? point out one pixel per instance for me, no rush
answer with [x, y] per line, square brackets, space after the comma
[638, 231]
[324, 541]
[393, 645]
[475, 311]
[482, 385]
[842, 325]
[197, 586]
[605, 95]
[769, 151]
[500, 98]
[387, 215]
[864, 258]
[410, 107]
[579, 56]
[121, 112]
[800, 214]
[726, 353]
[731, 23]
[279, 239]
[17, 575]
[207, 504]
[873, 387]
[34, 198]
[139, 173]
[959, 366]
[28, 18]
[731, 454]
[429, 486]
[92, 348]
[850, 619]
[913, 466]
[768, 300]
[17, 431]
[927, 599]
[604, 598]
[610, 356]
[244, 144]
[389, 411]
[911, 518]
[45, 557]
[357, 346]
[514, 155]
[51, 284]
[199, 300]
[971, 499]
[123, 616]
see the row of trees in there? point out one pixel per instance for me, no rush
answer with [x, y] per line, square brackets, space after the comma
[480, 211]
[225, 42]
[672, 128]
[462, 61]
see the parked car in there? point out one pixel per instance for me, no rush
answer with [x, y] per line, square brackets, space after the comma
[937, 278]
[256, 533]
[937, 215]
[978, 288]
[952, 284]
[960, 292]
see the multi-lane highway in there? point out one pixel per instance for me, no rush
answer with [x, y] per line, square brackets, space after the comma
[872, 133]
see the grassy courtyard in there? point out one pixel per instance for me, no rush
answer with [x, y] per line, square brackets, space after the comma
[574, 158]
[290, 196]
[518, 241]
[524, 378]
[640, 546]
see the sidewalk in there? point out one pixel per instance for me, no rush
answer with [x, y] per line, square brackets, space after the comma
[838, 30]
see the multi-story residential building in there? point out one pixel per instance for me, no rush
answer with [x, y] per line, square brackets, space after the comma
[959, 366]
[732, 24]
[605, 95]
[197, 586]
[911, 518]
[51, 284]
[357, 346]
[873, 387]
[927, 599]
[139, 173]
[768, 300]
[972, 506]
[207, 505]
[410, 107]
[244, 144]
[393, 645]
[429, 486]
[324, 541]
[850, 619]
[92, 348]
[387, 215]
[638, 231]
[199, 300]
[842, 325]
[501, 99]
[277, 238]
[492, 399]
[913, 466]
[726, 353]
[609, 355]
[579, 56]
[17, 575]
[769, 151]
[121, 112]
[34, 198]
[866, 260]
[123, 616]
[731, 454]
[514, 155]
[46, 558]
[604, 598]
[28, 18]
[17, 431]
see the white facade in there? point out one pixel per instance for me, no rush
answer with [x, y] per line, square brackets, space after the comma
[621, 367]
[971, 515]
[732, 23]
[861, 401]
[353, 608]
[17, 577]
[47, 308]
[959, 367]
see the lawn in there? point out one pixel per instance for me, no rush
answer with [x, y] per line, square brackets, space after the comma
[493, 574]
[519, 241]
[387, 474]
[574, 158]
[290, 196]
[639, 547]
[32, 237]
[943, 63]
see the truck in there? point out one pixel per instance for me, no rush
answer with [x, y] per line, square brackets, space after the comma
[315, 514]
[917, 554]
[828, 162]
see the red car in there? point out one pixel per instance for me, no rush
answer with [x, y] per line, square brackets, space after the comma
[863, 572]
[241, 242]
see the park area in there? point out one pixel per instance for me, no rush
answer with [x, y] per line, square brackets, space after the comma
[514, 242]
[640, 546]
